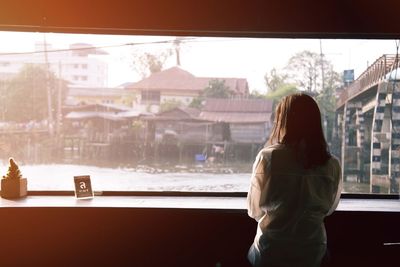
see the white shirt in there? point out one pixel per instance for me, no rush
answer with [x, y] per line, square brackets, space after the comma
[288, 201]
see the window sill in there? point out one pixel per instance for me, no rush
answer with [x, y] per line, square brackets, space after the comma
[176, 202]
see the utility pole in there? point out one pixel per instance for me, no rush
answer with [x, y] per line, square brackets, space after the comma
[49, 102]
[177, 46]
[322, 65]
[324, 119]
[59, 100]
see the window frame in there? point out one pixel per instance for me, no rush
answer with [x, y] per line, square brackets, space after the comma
[200, 26]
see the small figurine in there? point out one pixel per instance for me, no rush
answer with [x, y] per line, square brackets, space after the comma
[13, 171]
[12, 184]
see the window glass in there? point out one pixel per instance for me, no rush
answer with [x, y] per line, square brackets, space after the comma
[165, 113]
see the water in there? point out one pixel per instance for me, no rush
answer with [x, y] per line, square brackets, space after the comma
[180, 178]
[60, 177]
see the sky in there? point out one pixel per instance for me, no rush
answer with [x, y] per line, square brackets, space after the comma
[247, 58]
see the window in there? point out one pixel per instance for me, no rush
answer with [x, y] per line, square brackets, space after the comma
[206, 136]
[150, 97]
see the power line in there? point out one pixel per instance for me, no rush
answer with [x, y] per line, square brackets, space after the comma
[91, 47]
[188, 40]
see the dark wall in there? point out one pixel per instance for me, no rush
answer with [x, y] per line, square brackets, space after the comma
[172, 237]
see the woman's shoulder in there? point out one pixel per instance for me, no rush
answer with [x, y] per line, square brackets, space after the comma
[333, 166]
[267, 151]
[333, 161]
[275, 147]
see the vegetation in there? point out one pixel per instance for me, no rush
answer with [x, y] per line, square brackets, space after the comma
[170, 104]
[327, 101]
[197, 102]
[146, 63]
[274, 80]
[256, 95]
[215, 89]
[282, 91]
[25, 97]
[310, 72]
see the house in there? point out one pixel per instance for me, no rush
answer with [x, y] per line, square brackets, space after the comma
[98, 95]
[231, 129]
[102, 131]
[176, 84]
[244, 120]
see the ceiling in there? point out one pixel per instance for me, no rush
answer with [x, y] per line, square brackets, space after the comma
[257, 18]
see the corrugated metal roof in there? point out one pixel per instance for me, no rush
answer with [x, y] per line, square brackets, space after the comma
[99, 107]
[235, 117]
[177, 114]
[81, 115]
[238, 105]
[115, 116]
[96, 91]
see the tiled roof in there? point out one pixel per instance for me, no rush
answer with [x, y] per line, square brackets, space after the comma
[176, 78]
[173, 79]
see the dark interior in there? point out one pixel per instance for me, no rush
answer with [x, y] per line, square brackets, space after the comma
[94, 236]
[174, 237]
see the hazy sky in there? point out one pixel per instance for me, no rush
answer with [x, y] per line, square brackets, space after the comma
[213, 57]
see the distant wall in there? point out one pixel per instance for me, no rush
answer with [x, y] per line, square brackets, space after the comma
[172, 237]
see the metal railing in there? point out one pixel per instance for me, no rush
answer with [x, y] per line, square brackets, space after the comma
[369, 78]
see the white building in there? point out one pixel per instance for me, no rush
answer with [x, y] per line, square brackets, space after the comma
[79, 64]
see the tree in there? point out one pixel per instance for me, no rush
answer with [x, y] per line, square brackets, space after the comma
[217, 89]
[327, 100]
[313, 73]
[146, 63]
[170, 104]
[282, 91]
[197, 102]
[256, 95]
[305, 68]
[25, 96]
[274, 80]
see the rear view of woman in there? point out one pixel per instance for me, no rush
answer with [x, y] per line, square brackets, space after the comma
[295, 183]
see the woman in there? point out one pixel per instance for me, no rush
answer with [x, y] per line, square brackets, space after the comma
[294, 185]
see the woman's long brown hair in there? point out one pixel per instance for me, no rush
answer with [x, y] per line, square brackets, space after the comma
[298, 124]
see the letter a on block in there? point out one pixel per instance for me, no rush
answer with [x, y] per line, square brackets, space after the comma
[83, 186]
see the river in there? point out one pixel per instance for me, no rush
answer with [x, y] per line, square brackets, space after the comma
[144, 178]
[60, 177]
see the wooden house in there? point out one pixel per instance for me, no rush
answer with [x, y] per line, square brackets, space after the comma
[238, 126]
[243, 121]
[96, 129]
